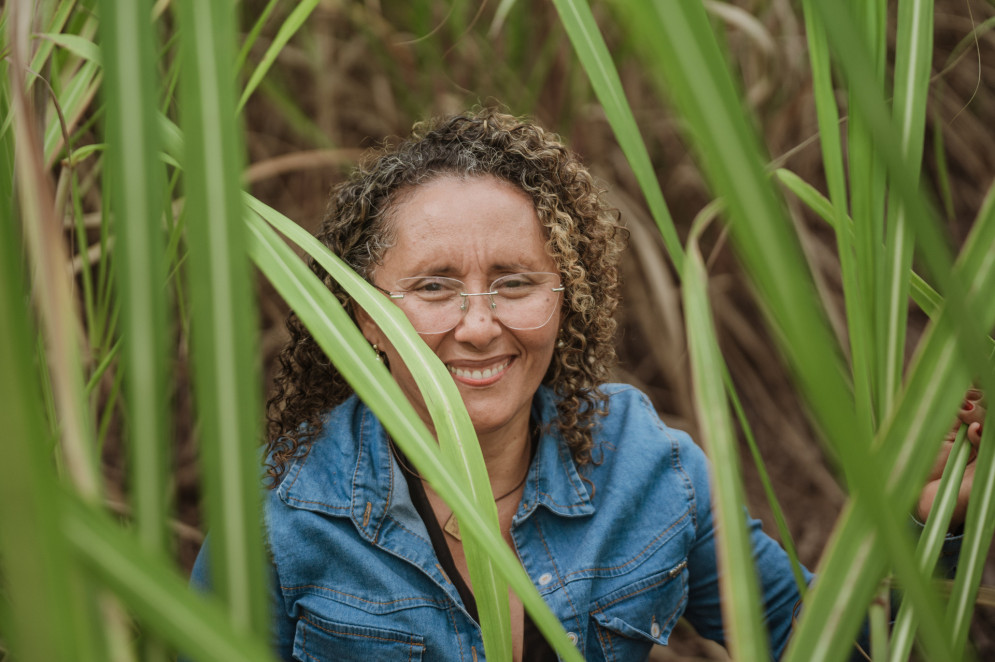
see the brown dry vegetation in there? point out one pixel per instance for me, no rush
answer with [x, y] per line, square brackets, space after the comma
[360, 71]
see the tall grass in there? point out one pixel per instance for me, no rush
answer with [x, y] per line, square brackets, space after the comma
[860, 407]
[122, 140]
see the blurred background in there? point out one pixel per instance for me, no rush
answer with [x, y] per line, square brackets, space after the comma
[363, 71]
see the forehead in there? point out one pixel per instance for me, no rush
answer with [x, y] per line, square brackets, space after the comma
[456, 225]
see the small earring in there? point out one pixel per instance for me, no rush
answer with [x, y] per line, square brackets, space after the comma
[381, 356]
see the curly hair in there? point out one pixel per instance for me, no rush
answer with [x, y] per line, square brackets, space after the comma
[584, 237]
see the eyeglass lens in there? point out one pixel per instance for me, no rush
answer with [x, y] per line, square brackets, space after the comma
[436, 304]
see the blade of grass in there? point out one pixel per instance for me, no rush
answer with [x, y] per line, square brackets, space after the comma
[913, 52]
[979, 528]
[88, 293]
[225, 363]
[931, 242]
[677, 36]
[867, 198]
[449, 423]
[296, 118]
[55, 25]
[290, 26]
[36, 569]
[593, 53]
[928, 299]
[135, 173]
[43, 235]
[935, 383]
[942, 171]
[73, 101]
[858, 322]
[746, 635]
[500, 15]
[931, 541]
[337, 335]
[457, 439]
[250, 39]
[934, 246]
[778, 513]
[148, 583]
[81, 46]
[591, 49]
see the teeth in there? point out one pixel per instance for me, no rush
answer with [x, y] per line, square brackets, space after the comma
[487, 373]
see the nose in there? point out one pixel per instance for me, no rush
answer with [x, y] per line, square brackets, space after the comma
[479, 325]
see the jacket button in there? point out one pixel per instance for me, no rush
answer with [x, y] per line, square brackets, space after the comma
[655, 630]
[545, 578]
[572, 636]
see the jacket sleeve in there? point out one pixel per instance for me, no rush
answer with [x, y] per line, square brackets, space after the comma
[779, 592]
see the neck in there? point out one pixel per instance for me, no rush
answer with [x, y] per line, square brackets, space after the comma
[507, 456]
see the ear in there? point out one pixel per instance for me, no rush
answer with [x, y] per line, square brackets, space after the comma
[370, 330]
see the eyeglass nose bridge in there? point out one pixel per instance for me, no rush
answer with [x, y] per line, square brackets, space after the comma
[464, 302]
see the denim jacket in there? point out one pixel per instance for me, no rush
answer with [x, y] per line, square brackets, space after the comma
[619, 549]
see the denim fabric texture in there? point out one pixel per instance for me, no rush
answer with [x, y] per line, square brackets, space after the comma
[619, 549]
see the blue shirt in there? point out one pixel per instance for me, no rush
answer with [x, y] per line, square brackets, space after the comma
[619, 549]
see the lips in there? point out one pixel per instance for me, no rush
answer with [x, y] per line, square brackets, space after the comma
[478, 374]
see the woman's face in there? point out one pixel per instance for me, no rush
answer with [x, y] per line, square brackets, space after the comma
[474, 230]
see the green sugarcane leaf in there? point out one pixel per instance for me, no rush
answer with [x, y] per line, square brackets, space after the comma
[867, 207]
[136, 195]
[457, 438]
[148, 583]
[593, 53]
[253, 36]
[76, 44]
[979, 528]
[225, 353]
[859, 322]
[854, 560]
[73, 102]
[38, 573]
[746, 636]
[337, 335]
[927, 298]
[58, 20]
[678, 37]
[913, 52]
[931, 543]
[283, 35]
[808, 194]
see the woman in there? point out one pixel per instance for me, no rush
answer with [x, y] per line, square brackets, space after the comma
[495, 242]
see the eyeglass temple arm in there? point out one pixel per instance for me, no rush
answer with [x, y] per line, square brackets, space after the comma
[389, 293]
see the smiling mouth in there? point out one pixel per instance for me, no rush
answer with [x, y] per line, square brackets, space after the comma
[478, 375]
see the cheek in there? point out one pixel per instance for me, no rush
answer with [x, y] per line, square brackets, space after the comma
[542, 347]
[433, 344]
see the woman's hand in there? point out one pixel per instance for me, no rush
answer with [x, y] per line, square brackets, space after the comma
[972, 414]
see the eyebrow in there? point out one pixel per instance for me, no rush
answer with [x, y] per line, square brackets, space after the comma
[451, 271]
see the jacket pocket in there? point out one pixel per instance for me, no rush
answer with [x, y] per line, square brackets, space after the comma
[320, 640]
[628, 621]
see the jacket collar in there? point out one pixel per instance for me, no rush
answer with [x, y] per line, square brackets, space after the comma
[361, 481]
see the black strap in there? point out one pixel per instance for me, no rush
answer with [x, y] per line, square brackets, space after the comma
[438, 538]
[535, 648]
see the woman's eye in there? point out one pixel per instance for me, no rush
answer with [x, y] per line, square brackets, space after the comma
[433, 288]
[514, 284]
